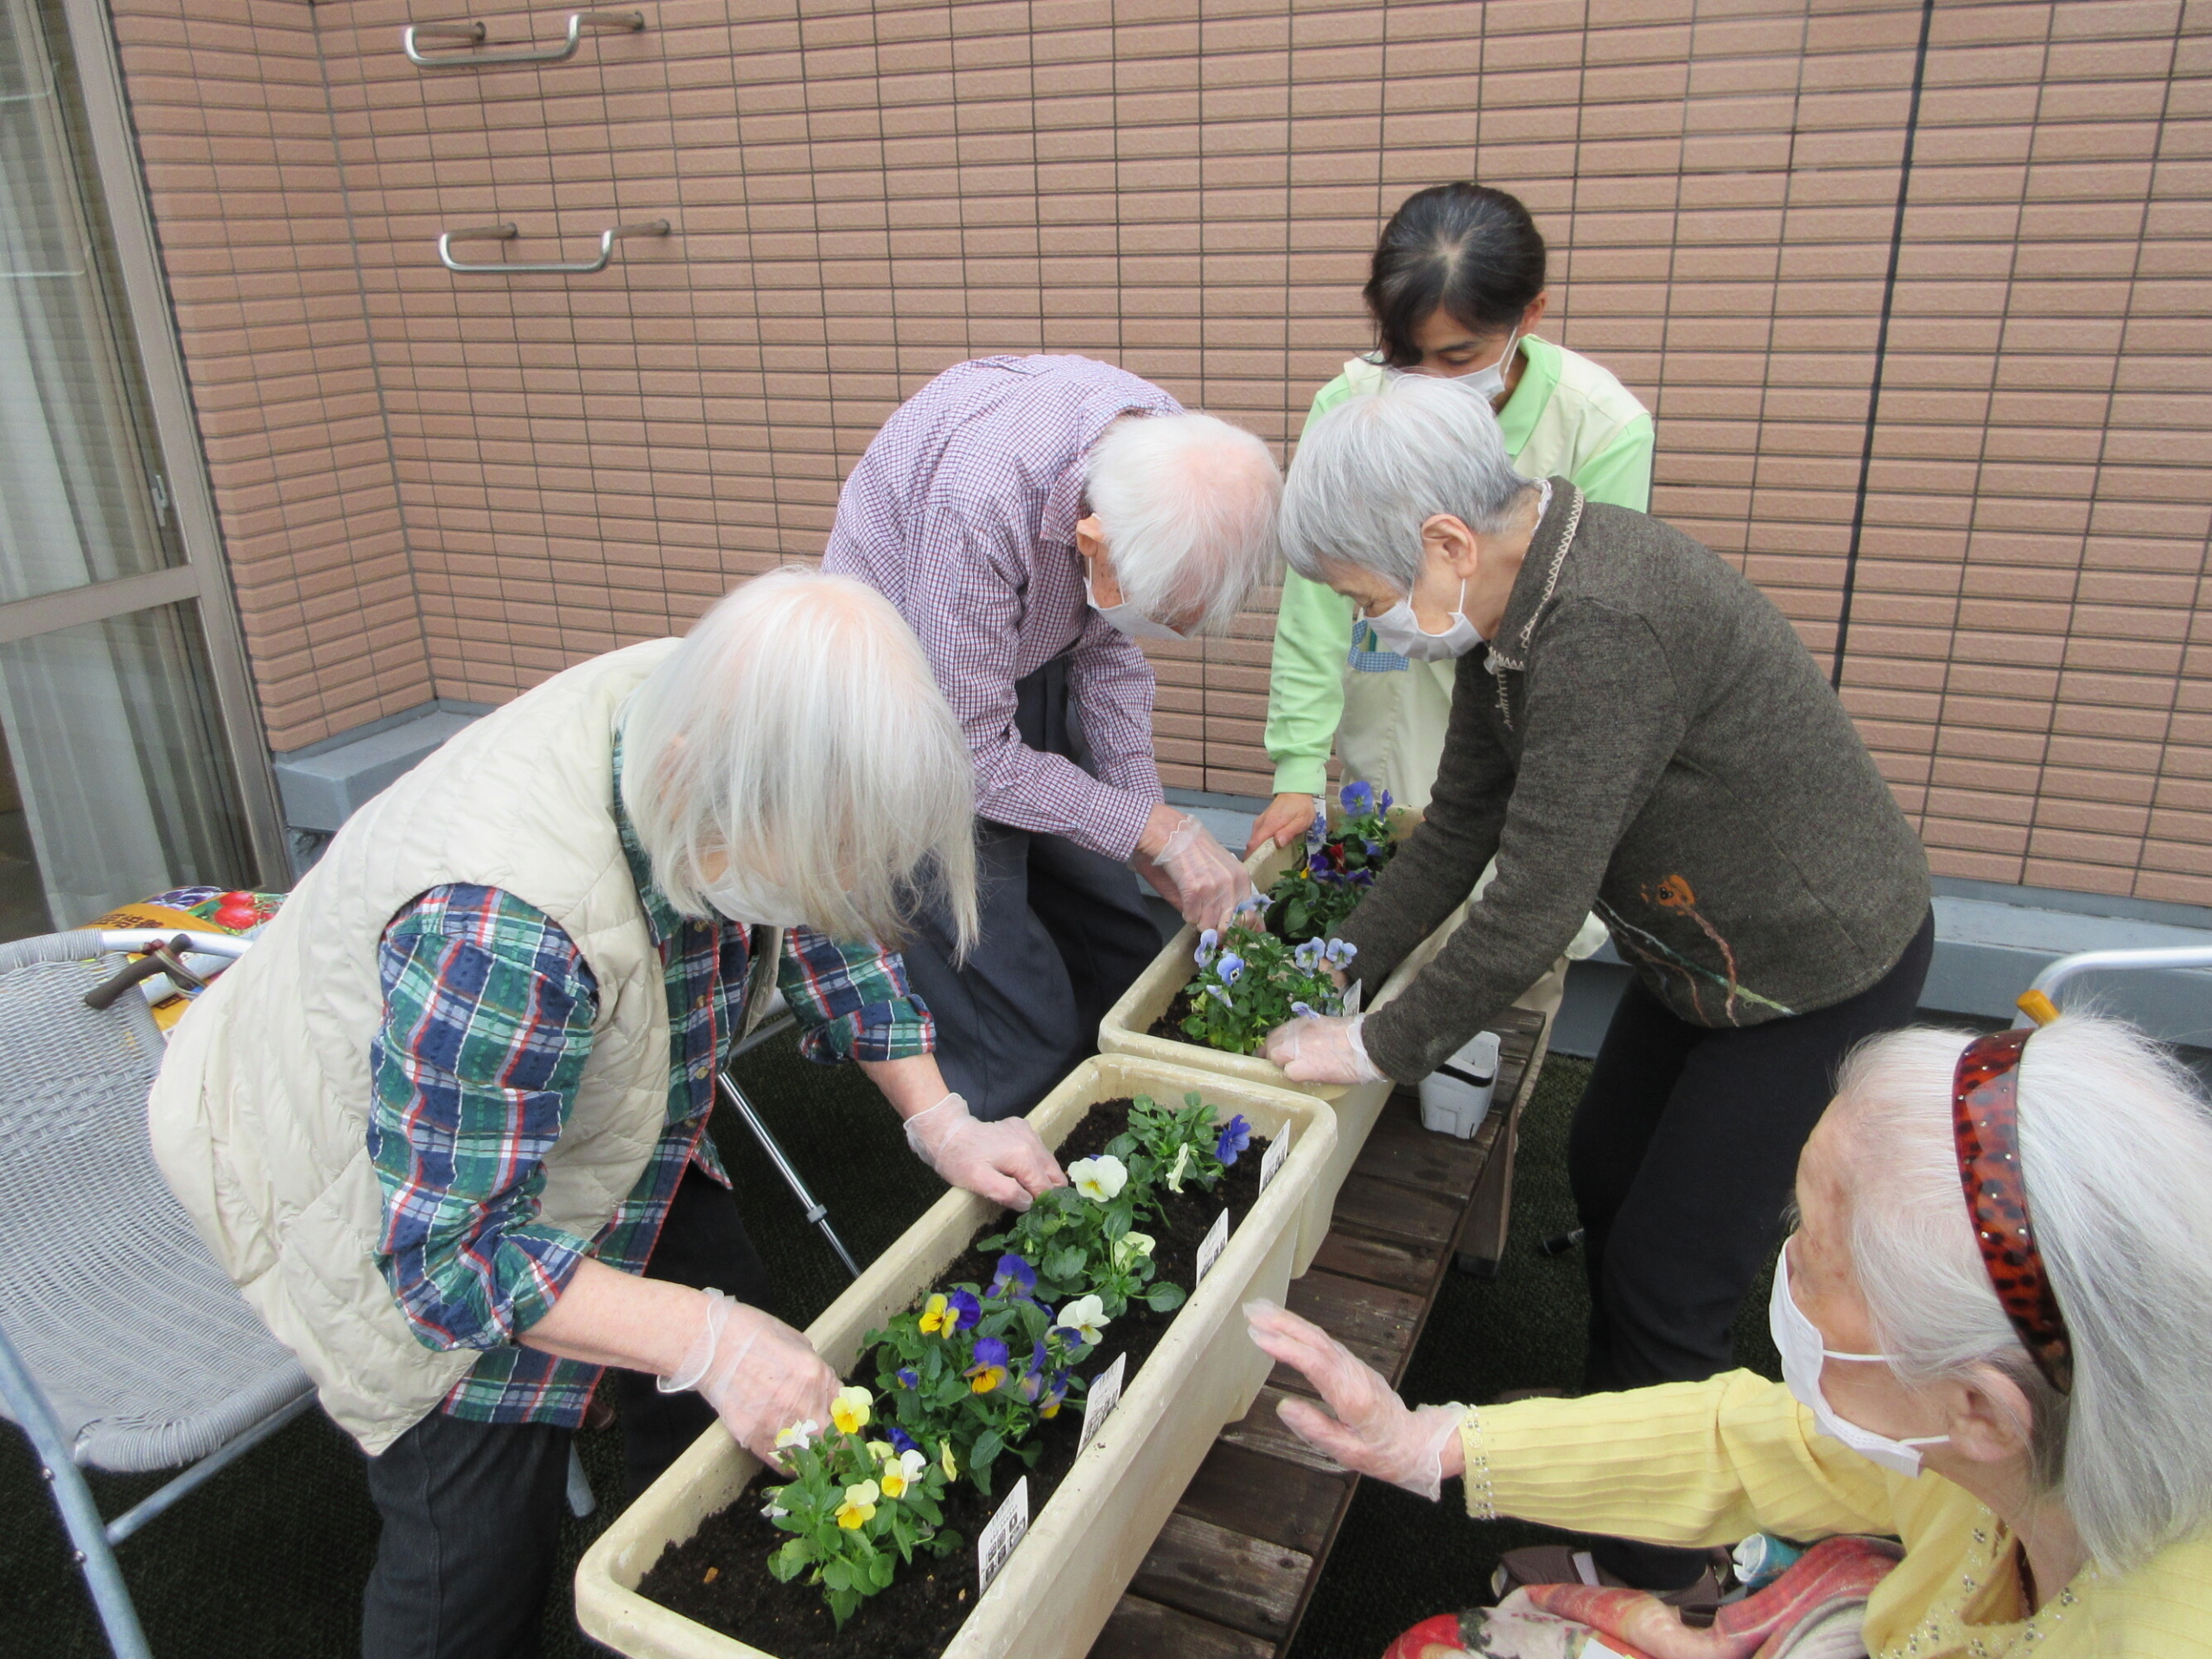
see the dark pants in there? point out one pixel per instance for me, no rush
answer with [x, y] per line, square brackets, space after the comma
[472, 1511]
[1682, 1157]
[1064, 933]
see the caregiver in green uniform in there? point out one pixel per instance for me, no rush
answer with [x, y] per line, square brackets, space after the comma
[1457, 289]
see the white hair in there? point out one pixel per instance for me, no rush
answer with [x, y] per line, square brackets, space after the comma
[795, 757]
[1188, 504]
[1372, 471]
[2116, 1153]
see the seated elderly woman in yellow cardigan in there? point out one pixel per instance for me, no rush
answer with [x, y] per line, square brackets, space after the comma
[1995, 1319]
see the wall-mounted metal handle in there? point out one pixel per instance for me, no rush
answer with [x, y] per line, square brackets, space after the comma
[508, 232]
[470, 35]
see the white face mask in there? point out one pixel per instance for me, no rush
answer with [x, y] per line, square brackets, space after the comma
[1798, 1340]
[1489, 382]
[1399, 630]
[1128, 618]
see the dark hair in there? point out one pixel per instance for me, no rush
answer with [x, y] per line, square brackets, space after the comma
[1465, 249]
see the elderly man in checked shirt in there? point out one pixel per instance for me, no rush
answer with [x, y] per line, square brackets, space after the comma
[446, 1123]
[1031, 518]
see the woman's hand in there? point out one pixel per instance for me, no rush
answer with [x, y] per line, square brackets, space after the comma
[1323, 1048]
[760, 1375]
[1287, 818]
[1367, 1427]
[1004, 1161]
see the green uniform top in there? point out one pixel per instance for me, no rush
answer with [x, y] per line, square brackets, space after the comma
[1567, 417]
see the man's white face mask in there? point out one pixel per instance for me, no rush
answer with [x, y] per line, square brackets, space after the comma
[1128, 618]
[1798, 1340]
[1399, 630]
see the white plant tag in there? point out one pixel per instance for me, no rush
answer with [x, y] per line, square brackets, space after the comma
[1278, 1149]
[1105, 1393]
[1211, 1247]
[1005, 1531]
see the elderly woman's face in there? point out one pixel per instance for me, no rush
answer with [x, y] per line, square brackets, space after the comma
[1827, 1293]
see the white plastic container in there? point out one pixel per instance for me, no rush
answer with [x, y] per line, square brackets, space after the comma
[1057, 1591]
[1127, 1029]
[1456, 1097]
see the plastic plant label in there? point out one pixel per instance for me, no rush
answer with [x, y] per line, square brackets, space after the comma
[1278, 1149]
[1098, 1404]
[1005, 1531]
[1211, 1247]
[1352, 999]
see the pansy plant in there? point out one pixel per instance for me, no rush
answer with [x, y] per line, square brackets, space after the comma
[857, 1508]
[1248, 983]
[1335, 867]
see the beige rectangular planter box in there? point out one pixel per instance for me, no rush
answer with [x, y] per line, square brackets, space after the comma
[1054, 1595]
[1127, 1029]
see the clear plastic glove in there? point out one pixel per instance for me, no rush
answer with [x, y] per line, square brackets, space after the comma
[1004, 1161]
[760, 1375]
[1323, 1048]
[1210, 885]
[1371, 1432]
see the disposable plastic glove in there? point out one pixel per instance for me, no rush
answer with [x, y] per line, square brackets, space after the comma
[760, 1375]
[1371, 1432]
[1210, 886]
[1004, 1161]
[1323, 1048]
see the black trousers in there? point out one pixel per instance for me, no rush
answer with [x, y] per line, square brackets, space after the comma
[472, 1511]
[1682, 1158]
[1064, 933]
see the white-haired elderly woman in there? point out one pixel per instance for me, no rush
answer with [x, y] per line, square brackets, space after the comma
[446, 1124]
[1995, 1319]
[1637, 733]
[1032, 518]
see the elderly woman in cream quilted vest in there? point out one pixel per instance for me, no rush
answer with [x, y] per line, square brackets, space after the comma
[446, 1125]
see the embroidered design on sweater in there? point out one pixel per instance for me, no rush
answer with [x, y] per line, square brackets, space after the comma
[1674, 895]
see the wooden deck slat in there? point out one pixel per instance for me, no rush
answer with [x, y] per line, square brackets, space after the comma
[1370, 1319]
[1400, 1263]
[1398, 1149]
[1260, 1430]
[1226, 1577]
[1267, 1497]
[1385, 1210]
[1144, 1629]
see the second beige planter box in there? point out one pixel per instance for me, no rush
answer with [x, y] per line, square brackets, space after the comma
[1127, 1029]
[1083, 1546]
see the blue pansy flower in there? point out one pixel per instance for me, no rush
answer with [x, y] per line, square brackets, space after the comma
[1236, 1135]
[1358, 798]
[1015, 1279]
[1341, 952]
[990, 1368]
[1220, 996]
[1209, 942]
[1303, 1011]
[908, 1377]
[1230, 968]
[1309, 956]
[1385, 804]
[901, 1440]
[967, 1310]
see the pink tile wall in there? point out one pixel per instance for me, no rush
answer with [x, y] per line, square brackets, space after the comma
[510, 473]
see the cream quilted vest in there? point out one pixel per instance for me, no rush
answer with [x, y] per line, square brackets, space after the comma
[260, 1114]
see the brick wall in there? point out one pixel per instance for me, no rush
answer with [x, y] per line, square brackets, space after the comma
[1980, 419]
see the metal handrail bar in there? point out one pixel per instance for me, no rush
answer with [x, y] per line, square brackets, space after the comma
[548, 268]
[2057, 973]
[472, 33]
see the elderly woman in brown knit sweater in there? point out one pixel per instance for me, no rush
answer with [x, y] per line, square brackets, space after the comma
[1648, 740]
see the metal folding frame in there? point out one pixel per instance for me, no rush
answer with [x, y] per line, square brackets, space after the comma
[817, 1211]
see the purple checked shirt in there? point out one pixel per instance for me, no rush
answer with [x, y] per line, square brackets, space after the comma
[962, 513]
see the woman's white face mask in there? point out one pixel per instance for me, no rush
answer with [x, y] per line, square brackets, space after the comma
[1798, 1340]
[1399, 630]
[1490, 382]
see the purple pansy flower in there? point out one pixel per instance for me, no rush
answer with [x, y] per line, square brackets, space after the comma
[1015, 1280]
[901, 1440]
[908, 1377]
[968, 1312]
[1236, 1135]
[1358, 798]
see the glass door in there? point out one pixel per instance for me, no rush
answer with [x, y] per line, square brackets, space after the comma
[121, 776]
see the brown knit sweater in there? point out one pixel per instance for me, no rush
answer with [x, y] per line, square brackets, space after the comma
[1647, 738]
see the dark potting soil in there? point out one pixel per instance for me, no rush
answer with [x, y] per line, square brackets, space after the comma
[720, 1576]
[1170, 1024]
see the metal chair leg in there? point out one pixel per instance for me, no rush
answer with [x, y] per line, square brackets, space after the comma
[581, 1500]
[80, 1514]
[817, 1211]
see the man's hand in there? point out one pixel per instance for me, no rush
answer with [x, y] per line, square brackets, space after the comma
[1367, 1427]
[1288, 817]
[1004, 1162]
[760, 1375]
[1202, 879]
[1322, 1048]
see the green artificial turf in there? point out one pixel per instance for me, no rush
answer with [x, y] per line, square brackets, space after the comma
[270, 1557]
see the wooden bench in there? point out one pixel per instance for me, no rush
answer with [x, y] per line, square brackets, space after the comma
[1231, 1572]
